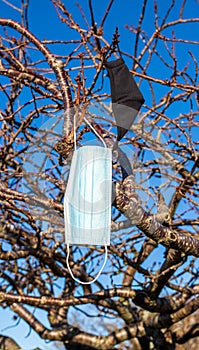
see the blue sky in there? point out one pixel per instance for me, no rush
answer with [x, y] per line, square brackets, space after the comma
[44, 23]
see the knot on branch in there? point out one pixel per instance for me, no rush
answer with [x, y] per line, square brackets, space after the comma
[172, 235]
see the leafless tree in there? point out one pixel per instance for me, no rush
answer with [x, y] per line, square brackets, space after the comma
[148, 295]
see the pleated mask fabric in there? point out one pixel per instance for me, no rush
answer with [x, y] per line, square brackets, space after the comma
[87, 200]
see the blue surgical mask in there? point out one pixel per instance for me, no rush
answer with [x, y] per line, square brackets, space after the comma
[87, 200]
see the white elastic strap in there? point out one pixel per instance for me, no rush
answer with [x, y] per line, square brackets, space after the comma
[76, 279]
[74, 126]
[92, 128]
[95, 131]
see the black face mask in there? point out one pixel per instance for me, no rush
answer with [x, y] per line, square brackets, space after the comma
[126, 97]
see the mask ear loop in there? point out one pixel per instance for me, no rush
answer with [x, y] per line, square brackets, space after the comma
[74, 131]
[76, 279]
[92, 128]
[95, 132]
[68, 246]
